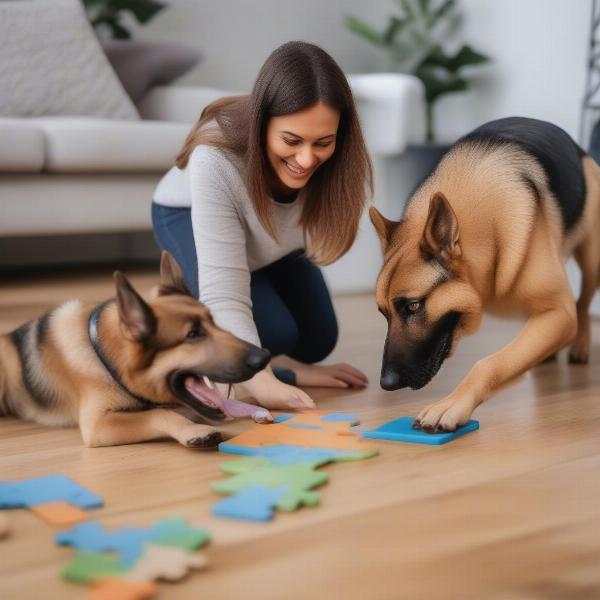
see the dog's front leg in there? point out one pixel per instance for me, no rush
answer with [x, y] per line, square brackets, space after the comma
[543, 334]
[107, 428]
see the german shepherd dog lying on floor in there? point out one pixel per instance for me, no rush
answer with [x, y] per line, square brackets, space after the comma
[120, 368]
[490, 229]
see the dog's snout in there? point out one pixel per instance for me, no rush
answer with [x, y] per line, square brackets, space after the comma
[390, 380]
[258, 358]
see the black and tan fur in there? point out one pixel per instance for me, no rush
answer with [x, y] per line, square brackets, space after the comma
[490, 229]
[51, 374]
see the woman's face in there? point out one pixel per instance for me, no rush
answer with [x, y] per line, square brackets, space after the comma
[299, 143]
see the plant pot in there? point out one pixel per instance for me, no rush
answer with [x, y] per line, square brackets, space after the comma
[407, 171]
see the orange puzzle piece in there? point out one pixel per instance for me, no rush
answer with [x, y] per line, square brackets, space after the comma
[59, 513]
[121, 589]
[331, 435]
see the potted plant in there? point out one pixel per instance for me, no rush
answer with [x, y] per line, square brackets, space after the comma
[108, 13]
[412, 40]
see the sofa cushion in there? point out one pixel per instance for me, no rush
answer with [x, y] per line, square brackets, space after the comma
[142, 64]
[84, 145]
[52, 64]
[21, 146]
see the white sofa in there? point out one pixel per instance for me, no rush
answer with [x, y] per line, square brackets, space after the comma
[66, 176]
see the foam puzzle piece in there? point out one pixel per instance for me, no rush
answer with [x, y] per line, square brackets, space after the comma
[170, 563]
[253, 503]
[333, 436]
[282, 418]
[298, 478]
[128, 542]
[340, 417]
[59, 513]
[42, 490]
[4, 528]
[120, 589]
[87, 567]
[400, 430]
[284, 454]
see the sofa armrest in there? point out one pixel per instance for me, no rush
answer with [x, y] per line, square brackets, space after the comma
[391, 107]
[182, 104]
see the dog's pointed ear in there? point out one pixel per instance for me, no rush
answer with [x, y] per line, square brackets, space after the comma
[138, 322]
[171, 276]
[441, 234]
[383, 226]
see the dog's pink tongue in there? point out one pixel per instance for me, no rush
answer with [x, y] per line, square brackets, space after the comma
[202, 392]
[235, 408]
[231, 407]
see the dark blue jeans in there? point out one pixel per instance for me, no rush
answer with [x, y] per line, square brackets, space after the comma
[291, 305]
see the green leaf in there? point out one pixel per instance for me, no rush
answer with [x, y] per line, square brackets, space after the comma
[395, 25]
[408, 10]
[465, 57]
[439, 13]
[424, 7]
[142, 10]
[364, 30]
[436, 86]
[118, 31]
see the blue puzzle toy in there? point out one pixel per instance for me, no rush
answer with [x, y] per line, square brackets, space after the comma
[401, 430]
[128, 541]
[43, 490]
[254, 503]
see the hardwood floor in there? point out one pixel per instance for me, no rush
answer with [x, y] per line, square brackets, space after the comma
[510, 512]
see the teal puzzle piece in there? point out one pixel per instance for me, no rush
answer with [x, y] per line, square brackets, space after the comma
[401, 430]
[42, 490]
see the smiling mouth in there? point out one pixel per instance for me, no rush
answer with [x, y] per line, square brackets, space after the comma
[296, 171]
[201, 395]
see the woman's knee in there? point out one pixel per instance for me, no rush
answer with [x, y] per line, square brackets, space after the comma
[317, 347]
[278, 336]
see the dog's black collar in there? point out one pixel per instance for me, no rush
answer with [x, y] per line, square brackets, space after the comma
[108, 365]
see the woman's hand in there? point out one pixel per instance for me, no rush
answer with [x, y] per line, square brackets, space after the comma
[341, 375]
[271, 393]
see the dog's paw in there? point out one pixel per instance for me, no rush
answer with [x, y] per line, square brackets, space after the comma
[444, 416]
[579, 354]
[201, 436]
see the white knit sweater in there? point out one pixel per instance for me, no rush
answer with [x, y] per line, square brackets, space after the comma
[230, 240]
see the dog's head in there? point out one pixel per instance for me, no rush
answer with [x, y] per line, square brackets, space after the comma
[423, 291]
[172, 350]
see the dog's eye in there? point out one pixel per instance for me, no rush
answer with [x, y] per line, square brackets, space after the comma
[194, 333]
[413, 307]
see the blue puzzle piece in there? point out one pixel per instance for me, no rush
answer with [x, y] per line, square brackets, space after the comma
[254, 503]
[128, 542]
[340, 417]
[53, 488]
[401, 430]
[284, 454]
[282, 418]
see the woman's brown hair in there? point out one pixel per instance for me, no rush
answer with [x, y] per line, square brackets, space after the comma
[296, 76]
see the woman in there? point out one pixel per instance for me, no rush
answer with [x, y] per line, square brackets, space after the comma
[267, 185]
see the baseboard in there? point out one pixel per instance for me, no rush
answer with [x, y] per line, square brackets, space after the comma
[79, 249]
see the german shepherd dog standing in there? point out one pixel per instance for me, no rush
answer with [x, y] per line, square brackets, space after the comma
[490, 229]
[120, 368]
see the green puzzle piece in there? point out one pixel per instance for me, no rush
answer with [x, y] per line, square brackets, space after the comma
[86, 567]
[298, 478]
[174, 531]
